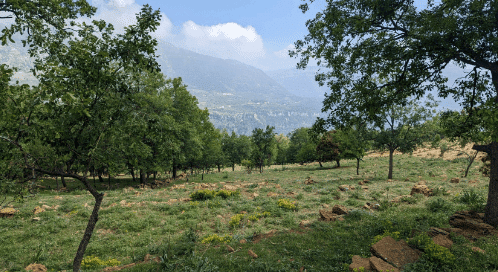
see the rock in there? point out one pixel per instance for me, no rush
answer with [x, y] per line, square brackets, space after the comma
[7, 212]
[472, 222]
[344, 187]
[304, 223]
[38, 210]
[327, 215]
[366, 181]
[361, 183]
[407, 179]
[243, 241]
[476, 249]
[309, 181]
[230, 187]
[36, 219]
[230, 249]
[443, 240]
[421, 183]
[389, 180]
[359, 262]
[395, 252]
[371, 206]
[379, 265]
[436, 231]
[36, 268]
[399, 198]
[421, 189]
[252, 254]
[254, 195]
[339, 210]
[455, 180]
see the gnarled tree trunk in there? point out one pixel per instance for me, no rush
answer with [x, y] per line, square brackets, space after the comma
[491, 211]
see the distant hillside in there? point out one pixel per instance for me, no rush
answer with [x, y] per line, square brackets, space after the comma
[239, 97]
[300, 82]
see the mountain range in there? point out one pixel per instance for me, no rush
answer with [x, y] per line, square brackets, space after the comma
[239, 97]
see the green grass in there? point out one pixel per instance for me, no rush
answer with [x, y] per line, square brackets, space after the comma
[135, 222]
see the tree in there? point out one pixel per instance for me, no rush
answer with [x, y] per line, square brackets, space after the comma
[84, 92]
[301, 146]
[236, 148]
[362, 40]
[282, 149]
[263, 144]
[401, 128]
[328, 148]
[354, 143]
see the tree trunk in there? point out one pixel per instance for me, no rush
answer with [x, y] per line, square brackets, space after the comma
[202, 177]
[338, 163]
[154, 174]
[142, 177]
[90, 226]
[101, 179]
[109, 179]
[261, 168]
[391, 153]
[471, 160]
[357, 166]
[63, 182]
[319, 162]
[174, 169]
[491, 211]
[219, 166]
[57, 181]
[132, 171]
[233, 167]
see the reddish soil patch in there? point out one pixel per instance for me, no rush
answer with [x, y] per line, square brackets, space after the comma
[256, 239]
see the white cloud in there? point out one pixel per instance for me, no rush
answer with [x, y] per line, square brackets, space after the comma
[226, 41]
[284, 53]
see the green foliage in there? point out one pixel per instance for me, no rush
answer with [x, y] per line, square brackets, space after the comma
[433, 251]
[210, 194]
[475, 201]
[438, 205]
[394, 234]
[287, 204]
[93, 262]
[214, 238]
[264, 147]
[237, 220]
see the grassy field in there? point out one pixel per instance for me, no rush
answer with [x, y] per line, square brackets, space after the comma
[193, 235]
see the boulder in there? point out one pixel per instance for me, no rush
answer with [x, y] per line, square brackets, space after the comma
[38, 210]
[471, 223]
[395, 252]
[344, 187]
[359, 262]
[327, 215]
[443, 240]
[7, 212]
[252, 254]
[36, 268]
[421, 189]
[379, 265]
[339, 210]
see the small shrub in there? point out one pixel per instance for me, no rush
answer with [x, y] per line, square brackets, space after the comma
[236, 220]
[210, 194]
[214, 238]
[93, 262]
[287, 204]
[475, 201]
[213, 204]
[299, 196]
[433, 251]
[438, 205]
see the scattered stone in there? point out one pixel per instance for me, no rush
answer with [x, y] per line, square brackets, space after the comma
[291, 194]
[436, 231]
[359, 262]
[243, 241]
[455, 180]
[472, 224]
[476, 249]
[344, 187]
[443, 240]
[395, 252]
[38, 210]
[252, 254]
[7, 212]
[36, 268]
[230, 249]
[421, 189]
[254, 195]
[380, 265]
[339, 210]
[361, 183]
[230, 187]
[389, 180]
[327, 215]
[309, 181]
[304, 223]
[371, 206]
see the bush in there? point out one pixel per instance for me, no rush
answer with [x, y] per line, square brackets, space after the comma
[93, 262]
[475, 201]
[210, 194]
[214, 238]
[287, 204]
[236, 220]
[438, 205]
[433, 251]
